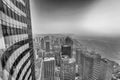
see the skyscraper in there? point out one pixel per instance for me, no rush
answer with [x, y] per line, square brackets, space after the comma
[57, 58]
[47, 46]
[49, 68]
[67, 69]
[17, 59]
[67, 48]
[79, 62]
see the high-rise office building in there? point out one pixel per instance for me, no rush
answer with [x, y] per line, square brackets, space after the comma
[67, 48]
[49, 68]
[68, 41]
[79, 63]
[47, 46]
[88, 65]
[106, 69]
[67, 69]
[42, 43]
[17, 59]
[58, 58]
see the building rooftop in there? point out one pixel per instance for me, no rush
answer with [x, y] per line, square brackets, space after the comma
[71, 60]
[49, 58]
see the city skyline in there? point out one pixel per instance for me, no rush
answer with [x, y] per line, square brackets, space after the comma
[83, 64]
[59, 40]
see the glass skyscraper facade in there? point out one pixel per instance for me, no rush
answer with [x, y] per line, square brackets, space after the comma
[16, 44]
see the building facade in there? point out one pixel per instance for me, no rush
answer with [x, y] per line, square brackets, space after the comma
[79, 63]
[17, 60]
[92, 67]
[67, 69]
[49, 68]
[58, 58]
[106, 67]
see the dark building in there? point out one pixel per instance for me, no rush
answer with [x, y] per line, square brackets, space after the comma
[47, 46]
[67, 47]
[46, 43]
[66, 50]
[16, 40]
[46, 38]
[68, 41]
[42, 43]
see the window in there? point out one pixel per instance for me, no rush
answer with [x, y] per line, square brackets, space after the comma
[15, 17]
[8, 30]
[20, 19]
[9, 12]
[16, 31]
[12, 32]
[4, 9]
[12, 14]
[4, 28]
[0, 4]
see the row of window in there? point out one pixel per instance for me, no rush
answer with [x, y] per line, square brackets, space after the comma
[15, 55]
[13, 15]
[9, 41]
[49, 69]
[19, 5]
[7, 30]
[23, 8]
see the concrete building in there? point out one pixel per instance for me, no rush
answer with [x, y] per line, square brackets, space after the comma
[88, 64]
[87, 67]
[92, 67]
[79, 63]
[107, 69]
[49, 68]
[42, 43]
[58, 58]
[16, 40]
[96, 66]
[67, 69]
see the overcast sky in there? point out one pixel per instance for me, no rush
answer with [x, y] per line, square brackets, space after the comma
[99, 17]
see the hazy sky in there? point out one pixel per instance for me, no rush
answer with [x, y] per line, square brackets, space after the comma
[83, 17]
[99, 17]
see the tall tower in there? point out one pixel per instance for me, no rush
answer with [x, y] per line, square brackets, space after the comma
[49, 68]
[16, 42]
[67, 48]
[67, 69]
